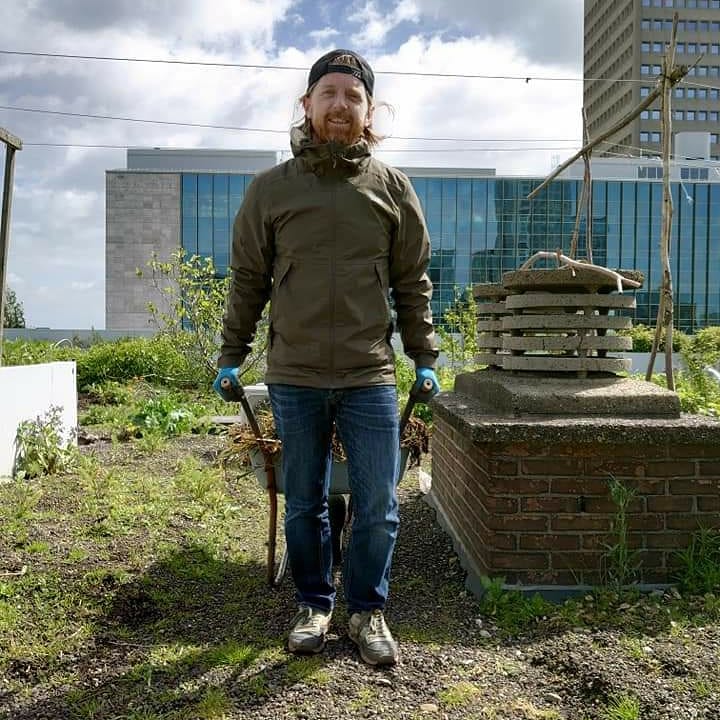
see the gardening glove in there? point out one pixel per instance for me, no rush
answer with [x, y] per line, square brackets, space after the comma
[421, 375]
[229, 373]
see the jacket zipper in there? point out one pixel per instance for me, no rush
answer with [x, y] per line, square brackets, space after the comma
[333, 281]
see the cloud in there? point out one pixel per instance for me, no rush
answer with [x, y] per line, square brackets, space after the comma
[58, 222]
[377, 24]
[550, 31]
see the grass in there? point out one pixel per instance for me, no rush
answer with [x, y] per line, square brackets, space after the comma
[133, 587]
[622, 707]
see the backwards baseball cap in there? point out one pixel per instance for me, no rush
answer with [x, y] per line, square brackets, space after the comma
[326, 65]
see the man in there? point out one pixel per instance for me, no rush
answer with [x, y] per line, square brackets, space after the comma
[326, 237]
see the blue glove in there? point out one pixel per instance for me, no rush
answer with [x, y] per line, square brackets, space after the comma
[421, 375]
[231, 374]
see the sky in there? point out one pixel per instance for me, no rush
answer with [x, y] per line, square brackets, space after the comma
[56, 262]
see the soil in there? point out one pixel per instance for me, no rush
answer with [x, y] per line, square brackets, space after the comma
[457, 661]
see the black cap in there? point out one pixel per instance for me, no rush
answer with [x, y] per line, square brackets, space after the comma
[325, 65]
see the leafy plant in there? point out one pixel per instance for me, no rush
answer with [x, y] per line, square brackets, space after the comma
[642, 337]
[511, 610]
[42, 446]
[165, 415]
[620, 562]
[699, 570]
[191, 314]
[458, 332]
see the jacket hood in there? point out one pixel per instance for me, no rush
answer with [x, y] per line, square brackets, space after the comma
[323, 157]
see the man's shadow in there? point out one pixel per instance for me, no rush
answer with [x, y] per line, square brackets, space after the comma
[196, 629]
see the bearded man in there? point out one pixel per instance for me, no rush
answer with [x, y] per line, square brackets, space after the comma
[329, 237]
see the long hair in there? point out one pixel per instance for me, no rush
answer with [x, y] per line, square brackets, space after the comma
[372, 138]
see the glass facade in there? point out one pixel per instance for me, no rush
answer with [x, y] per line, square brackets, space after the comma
[483, 227]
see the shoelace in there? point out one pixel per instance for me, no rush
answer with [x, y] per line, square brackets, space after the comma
[376, 625]
[308, 619]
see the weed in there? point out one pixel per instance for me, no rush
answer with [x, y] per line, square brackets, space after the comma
[309, 670]
[620, 564]
[21, 498]
[622, 707]
[511, 610]
[214, 704]
[232, 654]
[364, 699]
[202, 484]
[459, 695]
[42, 446]
[699, 570]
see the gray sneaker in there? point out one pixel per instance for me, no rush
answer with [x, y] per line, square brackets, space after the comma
[309, 627]
[369, 631]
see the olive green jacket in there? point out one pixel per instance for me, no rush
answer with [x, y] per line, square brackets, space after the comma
[326, 236]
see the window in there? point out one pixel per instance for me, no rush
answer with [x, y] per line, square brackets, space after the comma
[713, 116]
[715, 49]
[646, 3]
[701, 93]
[644, 137]
[703, 25]
[645, 115]
[644, 91]
[681, 26]
[657, 47]
[690, 115]
[644, 69]
[692, 48]
[680, 47]
[693, 173]
[650, 172]
[655, 114]
[703, 48]
[715, 25]
[656, 69]
[691, 25]
[714, 94]
[645, 47]
[714, 138]
[713, 71]
[678, 115]
[679, 92]
[703, 4]
[702, 116]
[655, 137]
[702, 70]
[690, 93]
[645, 24]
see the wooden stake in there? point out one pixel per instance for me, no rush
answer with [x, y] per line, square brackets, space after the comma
[665, 305]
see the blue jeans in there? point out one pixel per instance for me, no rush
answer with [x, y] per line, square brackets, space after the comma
[367, 423]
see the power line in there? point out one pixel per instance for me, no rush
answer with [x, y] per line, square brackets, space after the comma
[258, 130]
[249, 66]
[380, 149]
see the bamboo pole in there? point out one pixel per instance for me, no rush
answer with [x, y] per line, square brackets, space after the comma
[675, 76]
[665, 305]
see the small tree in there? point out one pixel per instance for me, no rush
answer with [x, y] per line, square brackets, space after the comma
[458, 332]
[14, 317]
[193, 304]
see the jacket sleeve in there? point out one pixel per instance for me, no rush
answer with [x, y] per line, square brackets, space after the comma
[411, 286]
[251, 268]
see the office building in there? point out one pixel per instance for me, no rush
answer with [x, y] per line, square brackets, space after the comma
[624, 41]
[480, 224]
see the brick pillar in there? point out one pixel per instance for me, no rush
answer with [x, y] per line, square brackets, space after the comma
[527, 497]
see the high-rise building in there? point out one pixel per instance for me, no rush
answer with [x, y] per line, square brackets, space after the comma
[624, 42]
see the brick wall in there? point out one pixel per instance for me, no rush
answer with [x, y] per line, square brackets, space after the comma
[530, 501]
